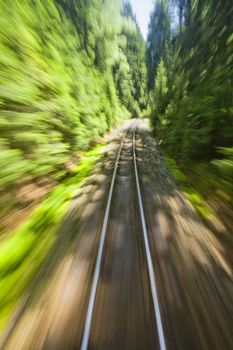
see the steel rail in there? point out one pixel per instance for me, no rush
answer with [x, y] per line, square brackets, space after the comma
[154, 293]
[90, 310]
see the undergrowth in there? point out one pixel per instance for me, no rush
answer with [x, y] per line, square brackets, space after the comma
[22, 254]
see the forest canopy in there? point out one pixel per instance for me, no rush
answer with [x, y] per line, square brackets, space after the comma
[190, 76]
[70, 69]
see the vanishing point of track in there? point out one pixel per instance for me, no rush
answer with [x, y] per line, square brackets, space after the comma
[152, 281]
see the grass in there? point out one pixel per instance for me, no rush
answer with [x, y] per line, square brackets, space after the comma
[209, 182]
[193, 195]
[22, 254]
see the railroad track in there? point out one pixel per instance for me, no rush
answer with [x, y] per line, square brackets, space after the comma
[119, 308]
[117, 179]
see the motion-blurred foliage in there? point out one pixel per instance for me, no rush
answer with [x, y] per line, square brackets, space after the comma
[22, 254]
[69, 70]
[63, 68]
[190, 66]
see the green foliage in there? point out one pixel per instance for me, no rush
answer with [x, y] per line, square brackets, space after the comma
[23, 252]
[225, 168]
[179, 175]
[226, 165]
[69, 70]
[161, 100]
[192, 194]
[59, 89]
[157, 40]
[130, 68]
[193, 113]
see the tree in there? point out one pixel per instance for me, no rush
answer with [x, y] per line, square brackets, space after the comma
[161, 98]
[198, 113]
[157, 40]
[130, 67]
